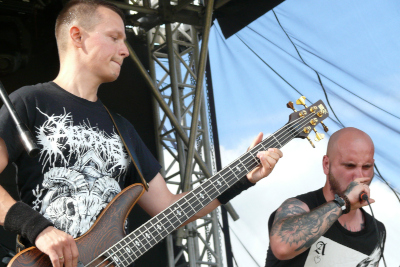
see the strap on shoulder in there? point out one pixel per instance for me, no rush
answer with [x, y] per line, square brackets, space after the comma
[127, 141]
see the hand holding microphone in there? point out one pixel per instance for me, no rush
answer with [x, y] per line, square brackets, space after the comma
[358, 193]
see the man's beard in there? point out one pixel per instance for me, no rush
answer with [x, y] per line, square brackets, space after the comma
[335, 186]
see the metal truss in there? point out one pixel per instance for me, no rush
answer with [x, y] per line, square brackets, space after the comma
[175, 55]
[177, 66]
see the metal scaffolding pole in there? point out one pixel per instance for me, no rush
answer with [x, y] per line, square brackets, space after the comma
[177, 60]
[175, 76]
[175, 55]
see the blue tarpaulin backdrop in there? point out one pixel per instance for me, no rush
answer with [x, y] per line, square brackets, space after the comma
[354, 46]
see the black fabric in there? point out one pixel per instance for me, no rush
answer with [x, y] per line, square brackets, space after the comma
[124, 133]
[364, 241]
[234, 190]
[82, 163]
[16, 221]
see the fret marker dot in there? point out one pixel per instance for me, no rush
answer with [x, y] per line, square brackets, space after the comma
[237, 168]
[219, 182]
[147, 235]
[201, 195]
[137, 243]
[116, 259]
[128, 250]
[159, 227]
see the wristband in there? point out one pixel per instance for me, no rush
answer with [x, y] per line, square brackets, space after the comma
[347, 201]
[22, 219]
[340, 202]
[234, 190]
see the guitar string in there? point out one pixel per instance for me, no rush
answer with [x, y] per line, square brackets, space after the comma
[228, 179]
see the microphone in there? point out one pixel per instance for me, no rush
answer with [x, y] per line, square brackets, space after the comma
[25, 135]
[363, 196]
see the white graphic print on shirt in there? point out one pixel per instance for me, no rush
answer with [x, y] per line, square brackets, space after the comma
[85, 166]
[326, 252]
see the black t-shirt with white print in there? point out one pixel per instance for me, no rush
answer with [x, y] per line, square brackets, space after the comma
[338, 246]
[82, 163]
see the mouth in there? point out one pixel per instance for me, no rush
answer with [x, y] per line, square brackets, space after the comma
[119, 63]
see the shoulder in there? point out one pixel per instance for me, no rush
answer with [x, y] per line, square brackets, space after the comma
[297, 205]
[36, 88]
[30, 92]
[312, 199]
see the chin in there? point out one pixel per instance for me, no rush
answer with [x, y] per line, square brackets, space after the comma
[111, 78]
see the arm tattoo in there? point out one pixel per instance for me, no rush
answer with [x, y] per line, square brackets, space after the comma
[299, 228]
[289, 208]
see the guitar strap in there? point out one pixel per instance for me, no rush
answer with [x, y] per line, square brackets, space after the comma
[127, 141]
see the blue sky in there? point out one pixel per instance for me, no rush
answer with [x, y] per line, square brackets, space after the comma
[354, 46]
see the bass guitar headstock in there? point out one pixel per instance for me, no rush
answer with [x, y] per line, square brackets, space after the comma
[302, 122]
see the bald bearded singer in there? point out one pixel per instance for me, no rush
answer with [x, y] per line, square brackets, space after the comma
[328, 227]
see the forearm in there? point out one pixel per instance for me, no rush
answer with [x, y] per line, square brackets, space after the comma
[293, 235]
[6, 201]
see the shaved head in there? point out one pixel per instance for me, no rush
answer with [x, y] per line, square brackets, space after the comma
[342, 137]
[350, 155]
[82, 13]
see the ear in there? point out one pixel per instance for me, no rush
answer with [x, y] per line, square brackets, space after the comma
[75, 33]
[325, 164]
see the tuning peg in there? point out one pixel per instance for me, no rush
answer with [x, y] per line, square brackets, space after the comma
[326, 129]
[290, 105]
[309, 140]
[318, 136]
[301, 101]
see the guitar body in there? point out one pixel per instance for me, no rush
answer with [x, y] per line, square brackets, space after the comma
[104, 233]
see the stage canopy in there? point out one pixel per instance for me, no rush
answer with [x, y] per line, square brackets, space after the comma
[343, 52]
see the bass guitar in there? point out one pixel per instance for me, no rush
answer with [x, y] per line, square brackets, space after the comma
[105, 243]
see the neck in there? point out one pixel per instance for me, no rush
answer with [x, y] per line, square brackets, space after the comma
[78, 81]
[353, 221]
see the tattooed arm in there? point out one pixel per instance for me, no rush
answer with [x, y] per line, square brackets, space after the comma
[296, 228]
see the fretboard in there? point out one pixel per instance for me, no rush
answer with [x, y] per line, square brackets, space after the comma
[127, 250]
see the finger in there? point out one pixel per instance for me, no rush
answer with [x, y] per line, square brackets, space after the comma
[367, 190]
[267, 161]
[271, 161]
[264, 161]
[256, 141]
[276, 151]
[67, 256]
[363, 180]
[54, 258]
[75, 254]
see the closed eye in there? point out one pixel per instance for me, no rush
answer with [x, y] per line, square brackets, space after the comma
[349, 165]
[367, 167]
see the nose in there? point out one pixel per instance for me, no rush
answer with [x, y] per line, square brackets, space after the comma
[124, 52]
[358, 172]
